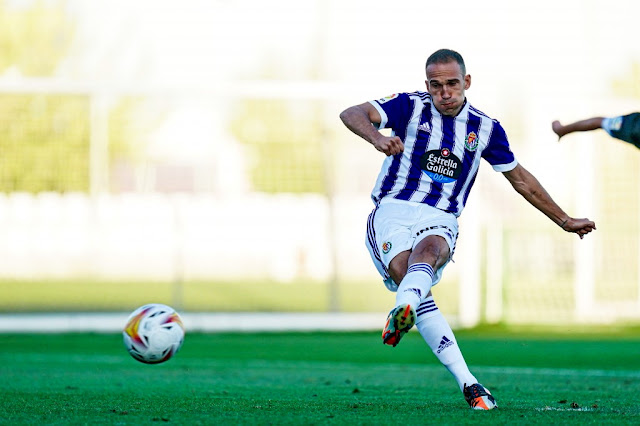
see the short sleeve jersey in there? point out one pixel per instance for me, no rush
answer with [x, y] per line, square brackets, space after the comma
[441, 153]
[625, 127]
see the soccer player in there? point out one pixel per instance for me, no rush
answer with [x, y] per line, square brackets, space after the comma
[623, 127]
[433, 155]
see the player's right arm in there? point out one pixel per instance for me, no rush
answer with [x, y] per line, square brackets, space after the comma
[360, 119]
[530, 188]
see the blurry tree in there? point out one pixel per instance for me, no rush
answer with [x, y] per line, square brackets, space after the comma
[44, 143]
[629, 85]
[34, 36]
[131, 120]
[285, 139]
[44, 139]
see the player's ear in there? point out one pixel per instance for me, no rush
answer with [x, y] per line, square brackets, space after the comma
[467, 81]
[426, 83]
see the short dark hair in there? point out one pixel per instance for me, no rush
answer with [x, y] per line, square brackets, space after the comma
[443, 56]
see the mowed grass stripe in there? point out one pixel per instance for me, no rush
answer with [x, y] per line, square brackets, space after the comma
[564, 372]
[124, 360]
[313, 378]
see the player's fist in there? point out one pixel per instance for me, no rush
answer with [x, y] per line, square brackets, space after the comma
[389, 145]
[579, 226]
[558, 129]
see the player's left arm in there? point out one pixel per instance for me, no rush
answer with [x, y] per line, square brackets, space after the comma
[530, 188]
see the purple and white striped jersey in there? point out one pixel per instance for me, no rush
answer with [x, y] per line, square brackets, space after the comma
[441, 153]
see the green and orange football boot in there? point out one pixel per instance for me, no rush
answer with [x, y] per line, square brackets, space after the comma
[399, 322]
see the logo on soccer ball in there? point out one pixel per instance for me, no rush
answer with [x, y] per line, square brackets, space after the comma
[471, 143]
[153, 333]
[386, 247]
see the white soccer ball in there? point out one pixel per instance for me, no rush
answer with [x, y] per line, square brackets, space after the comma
[154, 333]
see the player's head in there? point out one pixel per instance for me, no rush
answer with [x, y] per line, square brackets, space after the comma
[447, 80]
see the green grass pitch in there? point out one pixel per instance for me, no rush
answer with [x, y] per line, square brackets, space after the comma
[318, 379]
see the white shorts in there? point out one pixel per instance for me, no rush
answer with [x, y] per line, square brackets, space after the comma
[395, 226]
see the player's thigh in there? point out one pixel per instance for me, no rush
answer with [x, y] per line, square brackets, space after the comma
[434, 222]
[399, 265]
[392, 224]
[435, 230]
[389, 235]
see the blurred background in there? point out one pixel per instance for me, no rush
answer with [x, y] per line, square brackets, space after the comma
[190, 153]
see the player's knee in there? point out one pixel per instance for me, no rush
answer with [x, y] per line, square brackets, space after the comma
[433, 250]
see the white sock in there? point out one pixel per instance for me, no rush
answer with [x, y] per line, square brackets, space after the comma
[436, 331]
[415, 285]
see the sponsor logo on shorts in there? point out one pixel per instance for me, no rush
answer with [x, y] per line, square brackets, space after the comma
[386, 247]
[471, 143]
[441, 165]
[430, 228]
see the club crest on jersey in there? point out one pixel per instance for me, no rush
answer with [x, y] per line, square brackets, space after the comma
[471, 142]
[387, 98]
[386, 247]
[441, 165]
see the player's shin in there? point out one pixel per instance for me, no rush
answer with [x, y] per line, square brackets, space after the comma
[436, 331]
[415, 285]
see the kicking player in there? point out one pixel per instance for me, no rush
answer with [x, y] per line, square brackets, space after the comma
[433, 155]
[623, 127]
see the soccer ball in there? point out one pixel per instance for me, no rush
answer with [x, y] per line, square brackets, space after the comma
[153, 333]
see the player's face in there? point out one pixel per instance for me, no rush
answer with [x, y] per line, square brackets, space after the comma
[446, 84]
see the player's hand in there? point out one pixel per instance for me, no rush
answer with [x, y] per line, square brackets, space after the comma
[579, 226]
[558, 129]
[390, 145]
